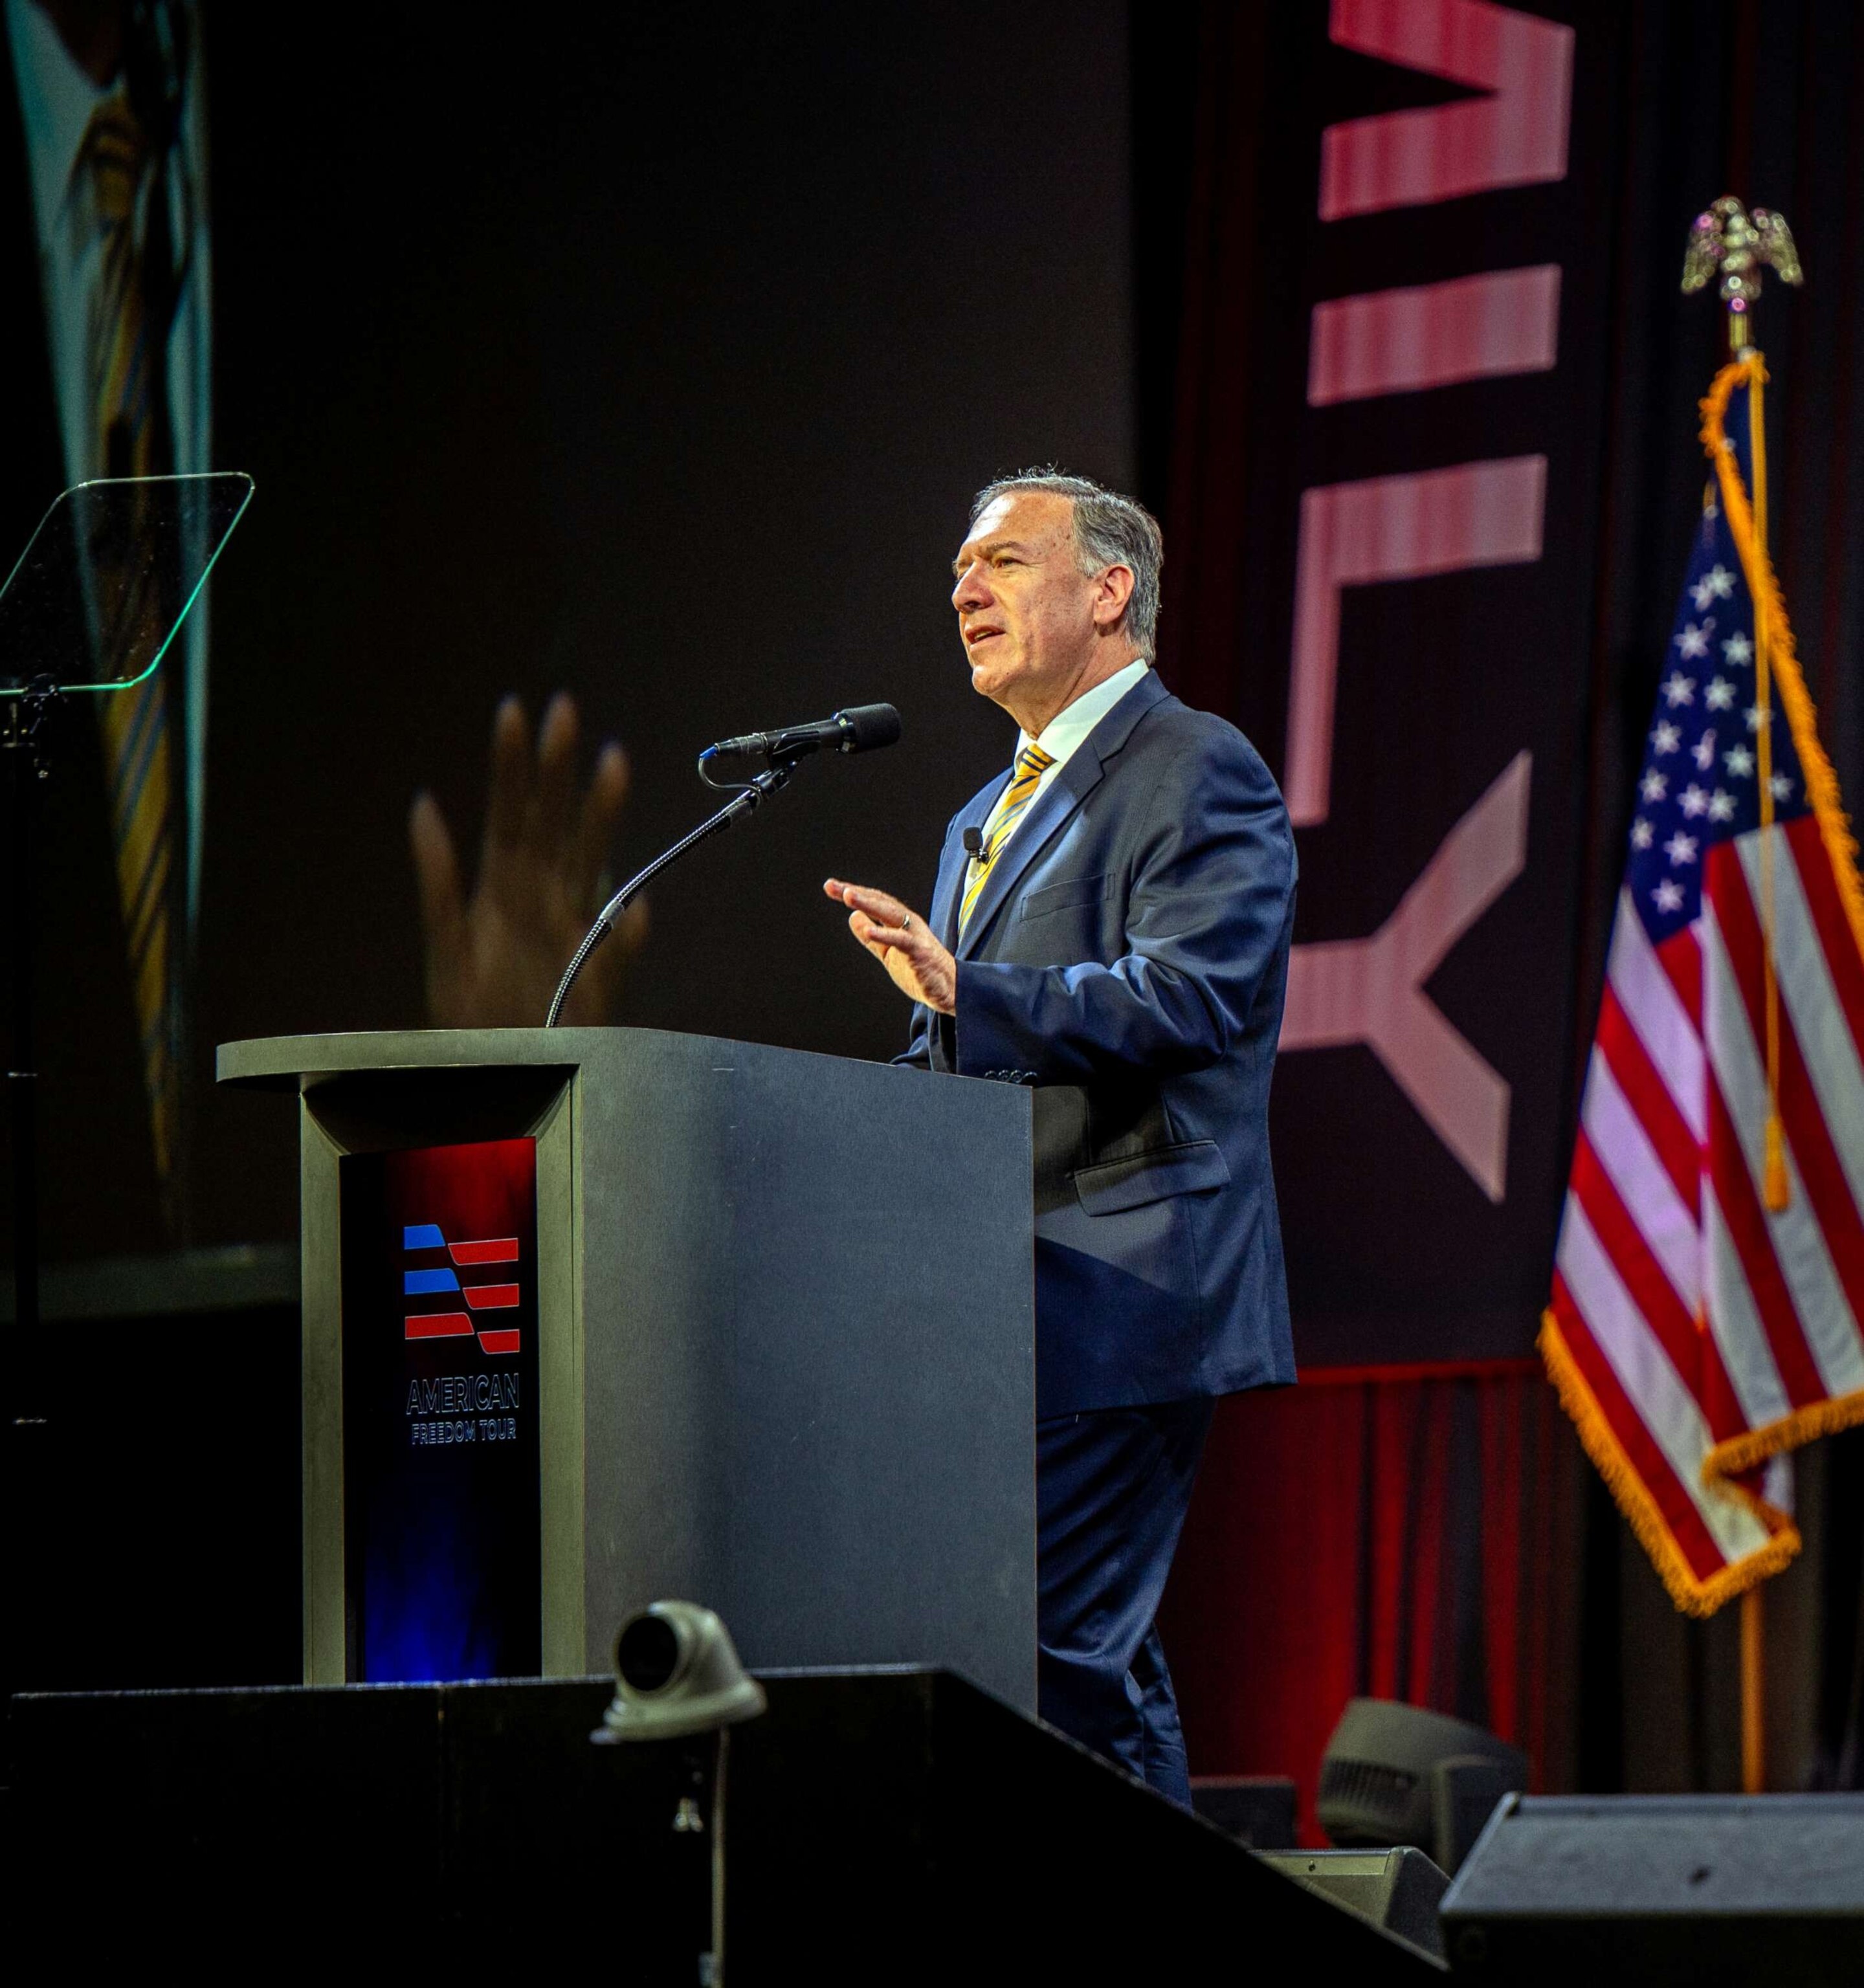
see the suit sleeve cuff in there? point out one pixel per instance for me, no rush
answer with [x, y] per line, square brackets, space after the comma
[986, 1039]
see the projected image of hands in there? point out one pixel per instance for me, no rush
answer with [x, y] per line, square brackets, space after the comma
[495, 954]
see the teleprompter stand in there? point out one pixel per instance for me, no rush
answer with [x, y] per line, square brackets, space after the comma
[91, 607]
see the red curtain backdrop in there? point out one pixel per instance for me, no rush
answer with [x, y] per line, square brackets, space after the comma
[1403, 1535]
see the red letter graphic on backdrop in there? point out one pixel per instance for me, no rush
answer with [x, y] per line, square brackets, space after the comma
[1476, 514]
[1389, 528]
[1515, 137]
[1434, 334]
[1372, 990]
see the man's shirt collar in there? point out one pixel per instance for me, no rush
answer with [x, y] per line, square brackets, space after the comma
[1068, 729]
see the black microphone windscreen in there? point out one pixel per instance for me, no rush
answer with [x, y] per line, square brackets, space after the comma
[871, 725]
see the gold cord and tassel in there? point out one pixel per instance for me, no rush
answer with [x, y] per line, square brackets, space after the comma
[1775, 1192]
[1730, 244]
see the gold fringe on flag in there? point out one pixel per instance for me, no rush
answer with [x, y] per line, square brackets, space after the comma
[1642, 1513]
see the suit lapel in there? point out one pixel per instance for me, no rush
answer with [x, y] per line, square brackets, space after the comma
[1057, 802]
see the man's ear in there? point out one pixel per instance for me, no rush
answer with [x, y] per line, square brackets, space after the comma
[1112, 591]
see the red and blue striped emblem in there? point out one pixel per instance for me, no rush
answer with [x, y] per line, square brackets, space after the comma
[440, 1280]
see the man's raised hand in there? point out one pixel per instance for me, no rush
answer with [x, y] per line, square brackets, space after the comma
[921, 969]
[493, 960]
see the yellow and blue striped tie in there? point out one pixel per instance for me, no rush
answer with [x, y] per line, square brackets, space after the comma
[1032, 762]
[127, 333]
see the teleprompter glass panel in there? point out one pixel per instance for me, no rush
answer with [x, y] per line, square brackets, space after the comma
[441, 1498]
[99, 594]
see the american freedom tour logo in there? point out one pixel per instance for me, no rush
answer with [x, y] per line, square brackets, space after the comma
[436, 1404]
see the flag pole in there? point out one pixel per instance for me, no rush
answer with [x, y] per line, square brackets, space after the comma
[1754, 1693]
[1728, 242]
[1773, 1177]
[1774, 1192]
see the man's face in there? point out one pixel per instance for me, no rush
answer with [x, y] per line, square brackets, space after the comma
[1025, 608]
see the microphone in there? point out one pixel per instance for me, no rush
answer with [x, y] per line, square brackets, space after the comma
[973, 841]
[862, 728]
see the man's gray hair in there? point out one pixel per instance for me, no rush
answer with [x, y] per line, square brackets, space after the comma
[1109, 530]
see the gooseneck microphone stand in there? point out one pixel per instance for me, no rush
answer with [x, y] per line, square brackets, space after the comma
[746, 801]
[862, 727]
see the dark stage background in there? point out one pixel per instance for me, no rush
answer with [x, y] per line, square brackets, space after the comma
[656, 357]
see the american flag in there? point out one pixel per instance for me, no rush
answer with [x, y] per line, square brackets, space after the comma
[1697, 1330]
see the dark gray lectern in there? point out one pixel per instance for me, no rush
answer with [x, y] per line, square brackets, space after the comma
[595, 1315]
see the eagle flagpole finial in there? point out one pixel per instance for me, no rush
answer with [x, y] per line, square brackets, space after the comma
[1725, 237]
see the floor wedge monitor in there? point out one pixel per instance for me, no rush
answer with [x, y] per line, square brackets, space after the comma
[1706, 1890]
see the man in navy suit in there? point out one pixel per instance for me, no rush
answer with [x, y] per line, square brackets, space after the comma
[1110, 925]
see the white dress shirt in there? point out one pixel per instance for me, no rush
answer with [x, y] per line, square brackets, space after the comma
[1065, 733]
[57, 98]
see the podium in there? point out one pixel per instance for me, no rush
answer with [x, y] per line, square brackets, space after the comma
[592, 1317]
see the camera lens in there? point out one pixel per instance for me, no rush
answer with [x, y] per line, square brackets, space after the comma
[647, 1652]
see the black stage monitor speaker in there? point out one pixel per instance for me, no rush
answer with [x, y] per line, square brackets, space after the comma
[1397, 1889]
[1397, 1773]
[1711, 1891]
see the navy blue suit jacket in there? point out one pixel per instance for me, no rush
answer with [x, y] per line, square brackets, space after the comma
[1128, 957]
